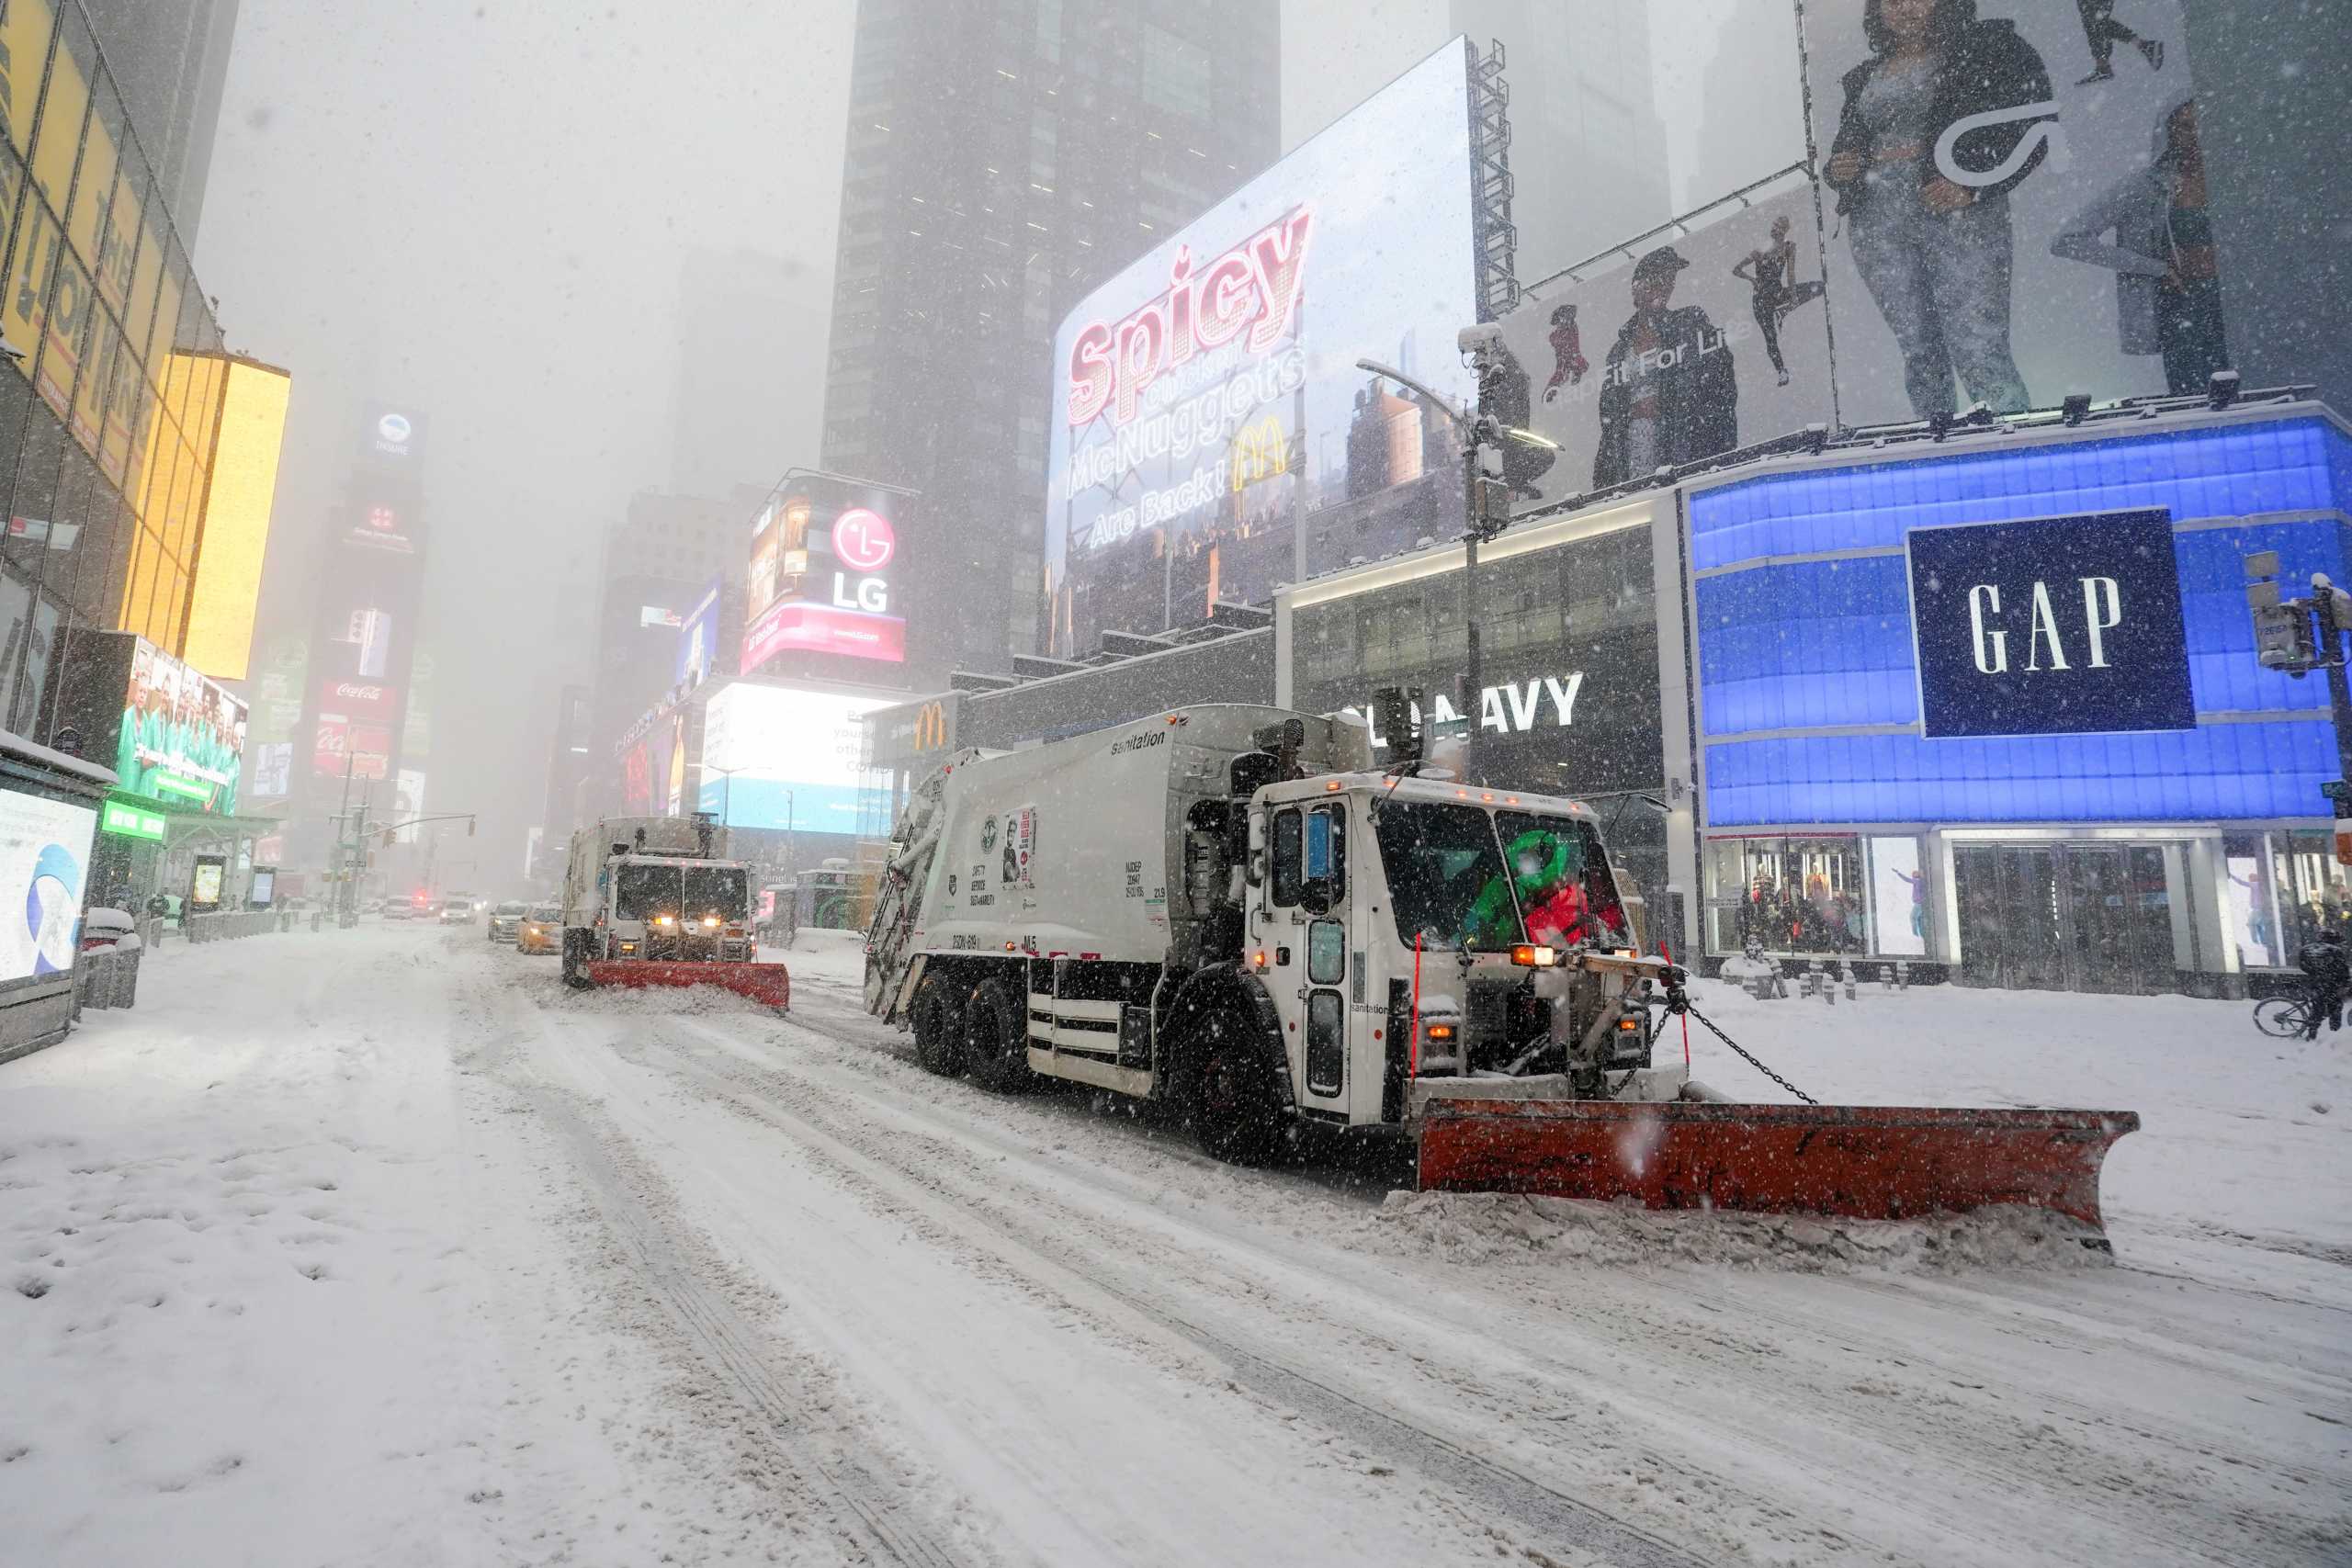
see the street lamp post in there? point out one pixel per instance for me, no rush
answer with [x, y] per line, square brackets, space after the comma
[1486, 509]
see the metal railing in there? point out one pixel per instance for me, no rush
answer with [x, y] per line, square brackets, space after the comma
[220, 927]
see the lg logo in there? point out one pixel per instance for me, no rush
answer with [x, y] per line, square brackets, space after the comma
[2102, 613]
[862, 542]
[862, 539]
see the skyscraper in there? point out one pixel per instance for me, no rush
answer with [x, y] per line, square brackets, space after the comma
[1002, 161]
[749, 323]
[1587, 149]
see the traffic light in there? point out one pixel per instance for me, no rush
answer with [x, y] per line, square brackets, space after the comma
[470, 826]
[389, 834]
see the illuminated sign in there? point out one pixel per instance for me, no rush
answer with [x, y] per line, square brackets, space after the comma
[820, 628]
[786, 757]
[1207, 397]
[248, 433]
[132, 822]
[392, 432]
[657, 616]
[167, 730]
[698, 639]
[44, 861]
[820, 552]
[1255, 285]
[358, 698]
[862, 540]
[2062, 625]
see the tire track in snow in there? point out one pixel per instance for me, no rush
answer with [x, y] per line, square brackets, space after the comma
[1485, 1485]
[1965, 1440]
[727, 1346]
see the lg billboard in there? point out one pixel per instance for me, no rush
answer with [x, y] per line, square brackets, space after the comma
[1206, 397]
[825, 564]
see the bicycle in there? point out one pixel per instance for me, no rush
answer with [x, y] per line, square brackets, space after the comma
[2283, 1018]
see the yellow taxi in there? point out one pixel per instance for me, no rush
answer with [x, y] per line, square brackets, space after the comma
[541, 930]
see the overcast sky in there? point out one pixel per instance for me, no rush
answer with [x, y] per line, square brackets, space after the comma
[480, 210]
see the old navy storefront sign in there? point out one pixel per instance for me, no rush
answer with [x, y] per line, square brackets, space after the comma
[2061, 626]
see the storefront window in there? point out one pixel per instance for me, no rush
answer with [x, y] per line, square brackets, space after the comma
[2311, 888]
[1795, 895]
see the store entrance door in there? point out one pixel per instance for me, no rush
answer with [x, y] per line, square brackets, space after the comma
[2065, 917]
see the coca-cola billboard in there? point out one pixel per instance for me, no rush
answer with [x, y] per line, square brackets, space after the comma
[358, 697]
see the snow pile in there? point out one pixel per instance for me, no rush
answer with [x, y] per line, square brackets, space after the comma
[1483, 1228]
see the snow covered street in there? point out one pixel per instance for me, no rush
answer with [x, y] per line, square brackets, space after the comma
[381, 1247]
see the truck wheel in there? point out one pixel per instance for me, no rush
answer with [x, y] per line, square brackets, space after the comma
[996, 1038]
[575, 967]
[1237, 1110]
[939, 1028]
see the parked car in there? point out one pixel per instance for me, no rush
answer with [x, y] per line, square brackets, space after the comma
[506, 921]
[542, 929]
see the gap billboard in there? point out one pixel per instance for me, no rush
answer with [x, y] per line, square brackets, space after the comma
[1207, 397]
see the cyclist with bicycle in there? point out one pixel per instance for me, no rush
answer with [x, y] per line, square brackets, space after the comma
[2328, 972]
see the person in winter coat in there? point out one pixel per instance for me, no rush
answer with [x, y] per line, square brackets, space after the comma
[1667, 396]
[2167, 284]
[2327, 970]
[1937, 256]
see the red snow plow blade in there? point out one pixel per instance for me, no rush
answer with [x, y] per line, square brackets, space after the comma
[1867, 1162]
[770, 985]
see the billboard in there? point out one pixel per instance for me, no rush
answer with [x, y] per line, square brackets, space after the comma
[698, 639]
[394, 436]
[2059, 626]
[1206, 397]
[825, 558]
[2018, 204]
[44, 863]
[1670, 352]
[169, 734]
[250, 430]
[786, 757]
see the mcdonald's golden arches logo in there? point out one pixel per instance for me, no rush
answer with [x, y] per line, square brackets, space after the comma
[1261, 451]
[930, 727]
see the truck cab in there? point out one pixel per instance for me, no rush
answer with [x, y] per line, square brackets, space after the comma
[664, 908]
[1410, 929]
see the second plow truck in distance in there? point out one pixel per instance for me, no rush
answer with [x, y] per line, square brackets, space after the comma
[658, 901]
[1229, 909]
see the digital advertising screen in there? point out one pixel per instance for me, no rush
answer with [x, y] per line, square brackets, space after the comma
[786, 757]
[177, 737]
[1207, 397]
[698, 639]
[825, 560]
[44, 863]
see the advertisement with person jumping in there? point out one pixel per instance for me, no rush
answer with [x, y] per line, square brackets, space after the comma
[2016, 201]
[1683, 346]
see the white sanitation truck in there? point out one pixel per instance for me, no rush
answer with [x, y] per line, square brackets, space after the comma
[1230, 909]
[658, 901]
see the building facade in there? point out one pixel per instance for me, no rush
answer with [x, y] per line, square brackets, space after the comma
[746, 322]
[1996, 708]
[109, 423]
[1002, 161]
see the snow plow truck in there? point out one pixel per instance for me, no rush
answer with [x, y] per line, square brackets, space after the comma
[1229, 909]
[656, 901]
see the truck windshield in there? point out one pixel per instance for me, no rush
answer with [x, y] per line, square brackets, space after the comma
[1457, 875]
[1566, 895]
[641, 891]
[722, 891]
[1445, 876]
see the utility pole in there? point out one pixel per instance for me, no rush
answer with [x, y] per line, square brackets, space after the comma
[1485, 507]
